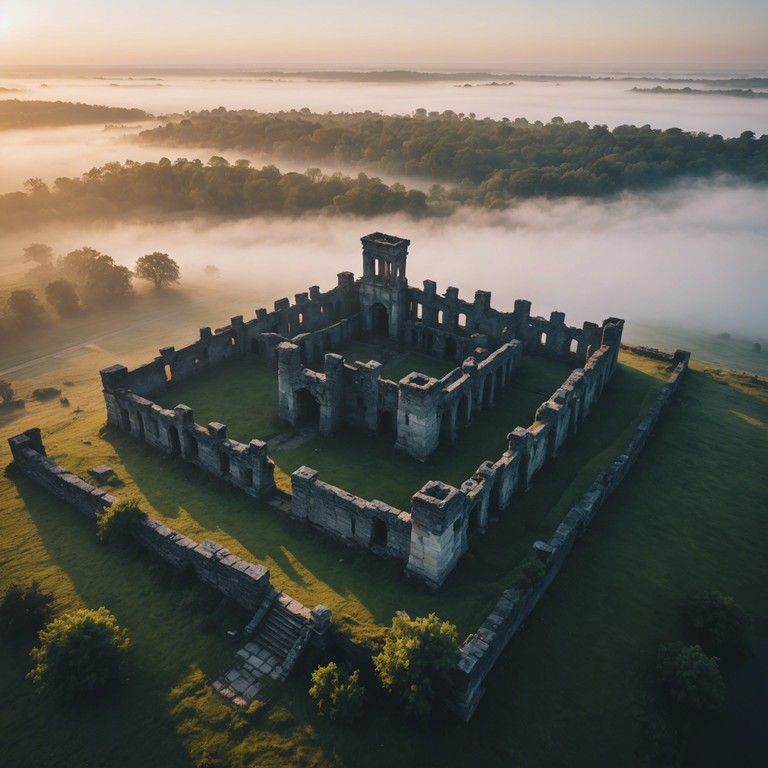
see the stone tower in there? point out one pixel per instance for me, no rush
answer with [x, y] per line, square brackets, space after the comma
[383, 286]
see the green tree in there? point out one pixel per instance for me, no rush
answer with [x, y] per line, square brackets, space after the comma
[24, 308]
[337, 695]
[62, 296]
[416, 661]
[40, 255]
[719, 624]
[81, 653]
[24, 610]
[6, 391]
[118, 523]
[160, 268]
[689, 677]
[101, 281]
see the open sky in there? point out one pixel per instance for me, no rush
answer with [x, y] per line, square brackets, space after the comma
[448, 34]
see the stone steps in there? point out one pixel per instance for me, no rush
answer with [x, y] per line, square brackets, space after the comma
[279, 630]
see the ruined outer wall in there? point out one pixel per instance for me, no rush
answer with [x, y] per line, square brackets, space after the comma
[175, 432]
[347, 517]
[315, 321]
[481, 650]
[29, 456]
[448, 324]
[233, 577]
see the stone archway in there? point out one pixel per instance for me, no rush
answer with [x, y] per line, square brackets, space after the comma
[306, 409]
[379, 320]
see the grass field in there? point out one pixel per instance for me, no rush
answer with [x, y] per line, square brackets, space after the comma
[573, 688]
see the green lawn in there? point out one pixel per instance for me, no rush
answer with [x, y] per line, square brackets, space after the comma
[572, 689]
[240, 393]
[372, 468]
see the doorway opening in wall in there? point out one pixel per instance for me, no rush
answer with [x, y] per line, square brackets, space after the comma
[378, 533]
[307, 409]
[190, 447]
[173, 439]
[379, 320]
[386, 423]
[450, 349]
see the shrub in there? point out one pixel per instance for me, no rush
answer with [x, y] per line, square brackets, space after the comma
[718, 624]
[337, 694]
[118, 523]
[689, 677]
[528, 572]
[80, 654]
[6, 391]
[25, 610]
[45, 393]
[416, 661]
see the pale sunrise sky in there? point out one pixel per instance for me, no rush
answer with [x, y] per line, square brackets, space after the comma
[499, 34]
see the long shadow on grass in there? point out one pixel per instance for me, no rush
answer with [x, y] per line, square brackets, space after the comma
[306, 564]
[314, 568]
[106, 734]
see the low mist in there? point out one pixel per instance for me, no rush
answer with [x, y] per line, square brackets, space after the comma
[690, 258]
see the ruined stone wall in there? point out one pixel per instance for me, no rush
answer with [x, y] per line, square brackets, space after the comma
[482, 649]
[443, 517]
[451, 327]
[349, 518]
[314, 321]
[233, 577]
[175, 432]
[29, 456]
[245, 583]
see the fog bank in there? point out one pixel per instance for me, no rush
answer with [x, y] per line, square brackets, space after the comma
[689, 258]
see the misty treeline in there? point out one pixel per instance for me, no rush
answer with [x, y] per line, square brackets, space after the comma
[492, 161]
[83, 281]
[16, 114]
[131, 189]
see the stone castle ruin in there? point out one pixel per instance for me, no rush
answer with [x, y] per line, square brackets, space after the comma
[416, 413]
[318, 387]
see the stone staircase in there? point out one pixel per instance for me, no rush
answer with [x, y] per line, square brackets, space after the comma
[280, 630]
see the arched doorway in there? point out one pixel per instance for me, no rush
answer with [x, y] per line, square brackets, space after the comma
[306, 409]
[379, 320]
[450, 349]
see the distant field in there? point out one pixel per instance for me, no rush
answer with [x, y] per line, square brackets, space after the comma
[573, 688]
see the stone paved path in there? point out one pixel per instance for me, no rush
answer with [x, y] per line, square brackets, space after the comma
[287, 440]
[242, 684]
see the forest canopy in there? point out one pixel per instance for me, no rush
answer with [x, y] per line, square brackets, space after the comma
[123, 191]
[499, 160]
[15, 114]
[481, 163]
